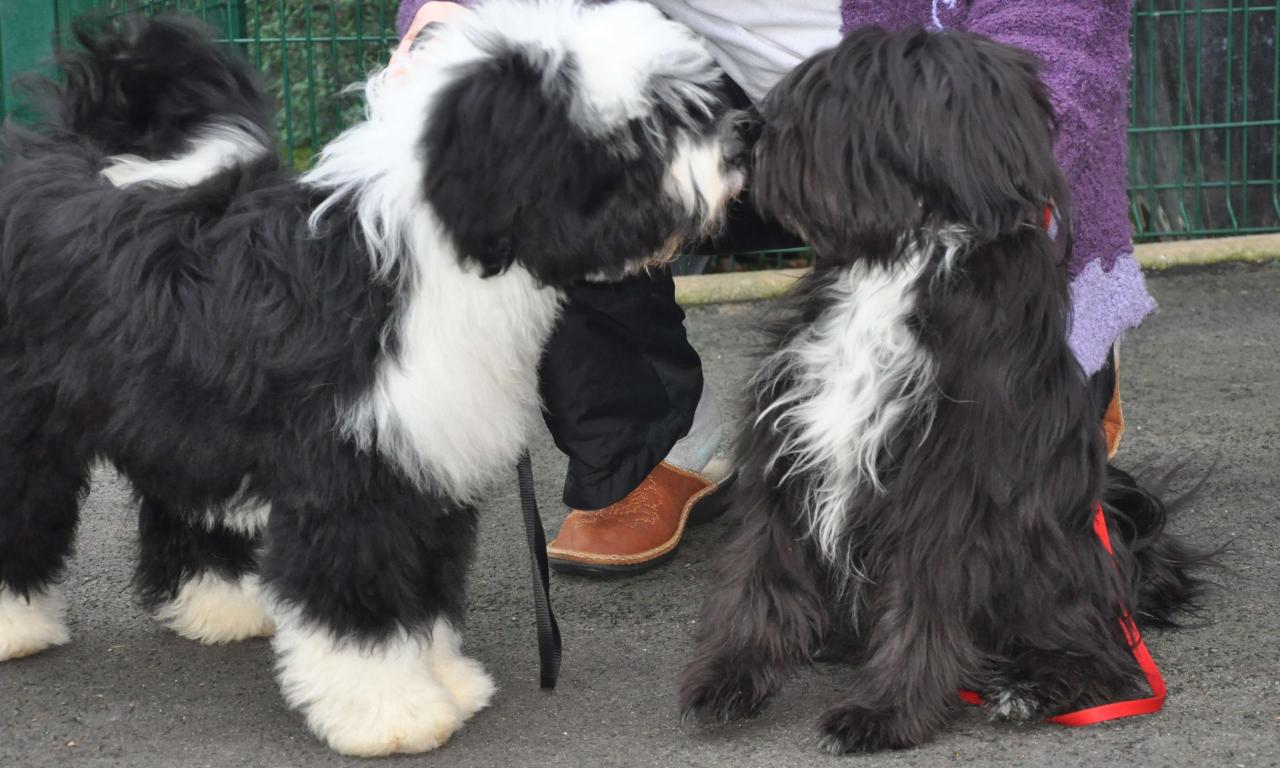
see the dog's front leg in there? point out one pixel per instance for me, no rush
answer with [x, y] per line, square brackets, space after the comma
[918, 655]
[765, 614]
[368, 604]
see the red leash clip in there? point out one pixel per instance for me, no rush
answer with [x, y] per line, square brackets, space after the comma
[1119, 709]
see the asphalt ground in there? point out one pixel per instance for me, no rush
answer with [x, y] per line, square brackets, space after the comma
[1201, 382]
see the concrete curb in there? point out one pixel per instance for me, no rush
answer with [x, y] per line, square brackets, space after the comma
[729, 287]
[1196, 253]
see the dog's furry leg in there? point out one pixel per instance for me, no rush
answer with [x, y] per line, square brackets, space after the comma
[41, 484]
[764, 616]
[918, 653]
[198, 576]
[1164, 573]
[1165, 577]
[1033, 683]
[1162, 578]
[367, 603]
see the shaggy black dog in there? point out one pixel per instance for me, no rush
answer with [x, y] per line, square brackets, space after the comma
[923, 458]
[309, 381]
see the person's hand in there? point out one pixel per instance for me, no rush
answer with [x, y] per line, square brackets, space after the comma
[427, 14]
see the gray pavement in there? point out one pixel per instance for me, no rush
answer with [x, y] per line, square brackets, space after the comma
[1201, 378]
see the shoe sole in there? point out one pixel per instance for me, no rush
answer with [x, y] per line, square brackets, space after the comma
[704, 510]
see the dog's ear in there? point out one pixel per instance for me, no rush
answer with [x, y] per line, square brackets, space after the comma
[889, 130]
[513, 177]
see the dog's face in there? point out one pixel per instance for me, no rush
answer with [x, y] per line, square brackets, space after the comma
[577, 141]
[892, 132]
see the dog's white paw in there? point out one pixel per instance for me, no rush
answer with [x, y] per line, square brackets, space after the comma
[211, 609]
[30, 625]
[1016, 702]
[364, 701]
[470, 686]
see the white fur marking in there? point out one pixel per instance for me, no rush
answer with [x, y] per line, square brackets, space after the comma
[858, 373]
[213, 149]
[242, 513]
[698, 177]
[364, 702]
[30, 626]
[627, 54]
[1016, 702]
[470, 686]
[456, 406]
[212, 610]
[247, 519]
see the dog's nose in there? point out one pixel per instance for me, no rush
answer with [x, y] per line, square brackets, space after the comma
[737, 136]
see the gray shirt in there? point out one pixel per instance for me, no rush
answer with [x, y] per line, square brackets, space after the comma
[759, 41]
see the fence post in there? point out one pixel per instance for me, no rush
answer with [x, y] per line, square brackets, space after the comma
[228, 16]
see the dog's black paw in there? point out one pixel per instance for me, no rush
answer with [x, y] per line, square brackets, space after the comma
[720, 694]
[854, 729]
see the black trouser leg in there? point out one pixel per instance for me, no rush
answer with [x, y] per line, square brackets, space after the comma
[620, 382]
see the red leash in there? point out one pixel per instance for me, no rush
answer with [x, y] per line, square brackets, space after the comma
[1119, 709]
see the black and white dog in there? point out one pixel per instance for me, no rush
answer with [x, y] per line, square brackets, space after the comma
[923, 459]
[310, 381]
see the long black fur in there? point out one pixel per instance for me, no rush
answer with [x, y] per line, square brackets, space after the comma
[977, 566]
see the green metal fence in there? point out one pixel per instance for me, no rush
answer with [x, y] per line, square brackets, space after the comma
[27, 28]
[1205, 120]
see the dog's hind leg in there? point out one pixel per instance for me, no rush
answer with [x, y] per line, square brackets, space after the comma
[199, 576]
[764, 616]
[367, 596]
[1035, 684]
[41, 484]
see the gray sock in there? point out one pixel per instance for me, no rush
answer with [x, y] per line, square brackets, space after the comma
[695, 450]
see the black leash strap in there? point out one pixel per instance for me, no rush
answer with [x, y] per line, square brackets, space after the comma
[548, 629]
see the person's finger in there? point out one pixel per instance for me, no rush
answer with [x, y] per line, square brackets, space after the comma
[427, 14]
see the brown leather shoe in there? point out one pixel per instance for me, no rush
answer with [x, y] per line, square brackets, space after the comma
[1113, 420]
[642, 530]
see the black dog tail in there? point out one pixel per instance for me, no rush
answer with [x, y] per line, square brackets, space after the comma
[1167, 570]
[142, 86]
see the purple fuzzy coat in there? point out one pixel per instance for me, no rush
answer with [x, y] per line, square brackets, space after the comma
[1084, 47]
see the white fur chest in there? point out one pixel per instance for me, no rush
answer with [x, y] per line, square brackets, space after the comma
[456, 405]
[856, 373]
